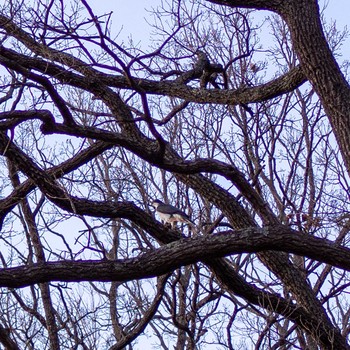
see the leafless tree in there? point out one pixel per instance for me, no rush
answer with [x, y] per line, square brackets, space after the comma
[246, 135]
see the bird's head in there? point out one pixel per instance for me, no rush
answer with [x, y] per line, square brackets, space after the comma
[155, 203]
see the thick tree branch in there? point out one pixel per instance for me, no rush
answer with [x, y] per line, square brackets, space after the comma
[176, 254]
[250, 4]
[281, 85]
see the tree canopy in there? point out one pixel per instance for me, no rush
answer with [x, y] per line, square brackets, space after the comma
[246, 134]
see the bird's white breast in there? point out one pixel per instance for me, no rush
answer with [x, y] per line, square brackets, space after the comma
[165, 217]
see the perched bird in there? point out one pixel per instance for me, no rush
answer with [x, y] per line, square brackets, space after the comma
[170, 214]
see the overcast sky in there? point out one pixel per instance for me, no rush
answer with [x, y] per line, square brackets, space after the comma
[132, 15]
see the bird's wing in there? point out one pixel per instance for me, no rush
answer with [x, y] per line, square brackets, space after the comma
[169, 209]
[173, 211]
[169, 213]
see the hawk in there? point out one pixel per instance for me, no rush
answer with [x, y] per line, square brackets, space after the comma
[170, 214]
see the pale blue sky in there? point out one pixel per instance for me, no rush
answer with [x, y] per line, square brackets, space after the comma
[131, 16]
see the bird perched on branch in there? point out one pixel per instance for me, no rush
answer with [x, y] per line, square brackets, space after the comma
[170, 214]
[209, 71]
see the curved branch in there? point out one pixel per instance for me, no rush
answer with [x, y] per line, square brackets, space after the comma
[187, 251]
[176, 254]
[279, 86]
